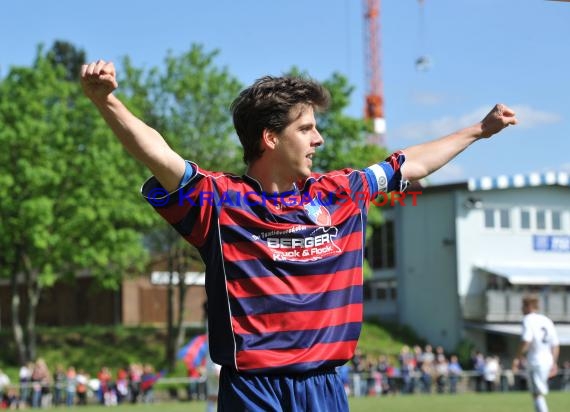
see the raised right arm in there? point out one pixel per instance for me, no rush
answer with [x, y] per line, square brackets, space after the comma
[144, 143]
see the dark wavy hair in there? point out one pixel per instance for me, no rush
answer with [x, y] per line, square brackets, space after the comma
[268, 104]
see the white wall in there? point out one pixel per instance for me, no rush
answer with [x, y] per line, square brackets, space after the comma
[427, 288]
[512, 247]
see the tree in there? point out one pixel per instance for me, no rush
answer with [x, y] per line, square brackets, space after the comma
[69, 199]
[188, 102]
[66, 55]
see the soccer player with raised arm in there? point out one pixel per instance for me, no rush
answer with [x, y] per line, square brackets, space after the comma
[283, 246]
[539, 342]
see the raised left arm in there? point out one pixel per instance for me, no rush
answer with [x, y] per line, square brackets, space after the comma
[424, 159]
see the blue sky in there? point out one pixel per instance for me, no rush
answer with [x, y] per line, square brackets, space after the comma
[483, 51]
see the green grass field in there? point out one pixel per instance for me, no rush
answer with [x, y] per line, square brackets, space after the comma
[473, 402]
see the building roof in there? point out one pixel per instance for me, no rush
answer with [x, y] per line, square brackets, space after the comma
[505, 182]
[519, 180]
[531, 275]
[515, 329]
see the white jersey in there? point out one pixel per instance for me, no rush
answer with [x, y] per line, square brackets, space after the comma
[539, 331]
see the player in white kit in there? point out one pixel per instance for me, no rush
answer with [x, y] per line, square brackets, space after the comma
[539, 342]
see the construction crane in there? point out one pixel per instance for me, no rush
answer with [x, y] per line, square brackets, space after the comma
[374, 103]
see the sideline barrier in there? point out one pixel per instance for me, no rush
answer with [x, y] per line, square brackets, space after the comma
[358, 384]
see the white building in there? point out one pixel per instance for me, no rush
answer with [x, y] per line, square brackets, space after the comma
[455, 266]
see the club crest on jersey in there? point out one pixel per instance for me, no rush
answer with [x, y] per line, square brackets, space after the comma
[318, 213]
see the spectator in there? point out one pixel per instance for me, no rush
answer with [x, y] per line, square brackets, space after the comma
[59, 379]
[478, 363]
[418, 355]
[105, 381]
[148, 379]
[491, 372]
[82, 380]
[70, 386]
[122, 385]
[41, 382]
[393, 374]
[382, 367]
[440, 351]
[426, 377]
[357, 369]
[25, 376]
[195, 375]
[377, 380]
[212, 384]
[441, 372]
[135, 373]
[9, 400]
[407, 368]
[455, 371]
[4, 382]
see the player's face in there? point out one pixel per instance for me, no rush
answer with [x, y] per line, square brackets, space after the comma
[298, 142]
[525, 309]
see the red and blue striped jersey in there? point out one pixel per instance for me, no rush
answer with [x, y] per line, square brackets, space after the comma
[283, 270]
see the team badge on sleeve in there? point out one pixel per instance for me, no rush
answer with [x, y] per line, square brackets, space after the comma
[318, 213]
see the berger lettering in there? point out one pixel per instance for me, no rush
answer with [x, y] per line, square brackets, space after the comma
[298, 242]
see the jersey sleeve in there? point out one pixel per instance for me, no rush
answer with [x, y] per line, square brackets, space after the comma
[554, 336]
[526, 331]
[386, 176]
[188, 209]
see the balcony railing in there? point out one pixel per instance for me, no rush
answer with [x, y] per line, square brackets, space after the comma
[506, 306]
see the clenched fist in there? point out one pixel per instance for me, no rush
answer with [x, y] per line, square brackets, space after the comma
[98, 79]
[497, 119]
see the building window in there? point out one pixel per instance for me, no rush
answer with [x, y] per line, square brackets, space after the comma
[381, 290]
[394, 293]
[541, 219]
[525, 219]
[504, 219]
[556, 220]
[489, 218]
[381, 251]
[497, 218]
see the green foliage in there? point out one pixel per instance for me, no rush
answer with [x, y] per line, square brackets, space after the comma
[464, 351]
[188, 103]
[345, 137]
[66, 55]
[386, 338]
[69, 192]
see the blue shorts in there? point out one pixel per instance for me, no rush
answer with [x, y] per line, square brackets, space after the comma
[312, 392]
